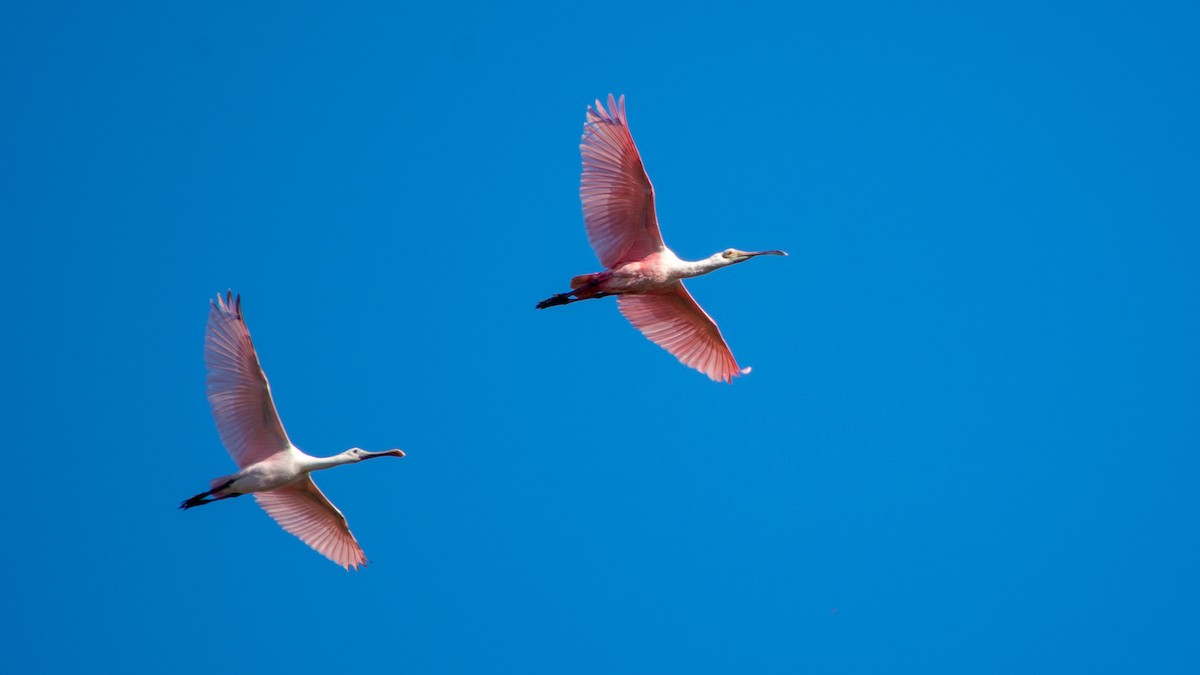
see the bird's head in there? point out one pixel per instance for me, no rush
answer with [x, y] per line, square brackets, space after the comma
[732, 256]
[358, 454]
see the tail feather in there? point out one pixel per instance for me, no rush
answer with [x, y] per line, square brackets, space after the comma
[587, 285]
[582, 280]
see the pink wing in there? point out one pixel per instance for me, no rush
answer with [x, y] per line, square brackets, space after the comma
[301, 508]
[618, 200]
[673, 321]
[237, 388]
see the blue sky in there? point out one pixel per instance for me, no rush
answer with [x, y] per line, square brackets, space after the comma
[969, 443]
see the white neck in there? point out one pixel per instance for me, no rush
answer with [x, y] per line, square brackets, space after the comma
[311, 463]
[694, 268]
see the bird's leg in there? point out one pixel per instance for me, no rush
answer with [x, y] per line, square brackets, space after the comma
[559, 299]
[199, 500]
[566, 299]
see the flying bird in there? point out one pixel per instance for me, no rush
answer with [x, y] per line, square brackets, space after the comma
[270, 467]
[645, 275]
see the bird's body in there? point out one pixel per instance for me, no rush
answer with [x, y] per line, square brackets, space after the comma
[656, 272]
[278, 470]
[271, 468]
[618, 213]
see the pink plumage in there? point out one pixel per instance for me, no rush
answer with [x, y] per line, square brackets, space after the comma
[619, 216]
[676, 323]
[302, 509]
[617, 197]
[237, 388]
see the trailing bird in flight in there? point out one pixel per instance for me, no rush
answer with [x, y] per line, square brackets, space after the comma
[270, 467]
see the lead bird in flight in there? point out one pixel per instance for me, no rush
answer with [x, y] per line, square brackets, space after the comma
[270, 467]
[645, 275]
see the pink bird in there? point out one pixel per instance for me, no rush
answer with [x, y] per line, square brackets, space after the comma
[270, 467]
[645, 275]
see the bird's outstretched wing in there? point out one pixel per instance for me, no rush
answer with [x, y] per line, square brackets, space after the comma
[301, 508]
[237, 387]
[673, 321]
[618, 200]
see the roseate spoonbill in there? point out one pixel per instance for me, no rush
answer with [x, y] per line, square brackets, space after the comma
[270, 467]
[645, 275]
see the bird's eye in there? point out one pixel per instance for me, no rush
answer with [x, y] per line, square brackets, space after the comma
[728, 253]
